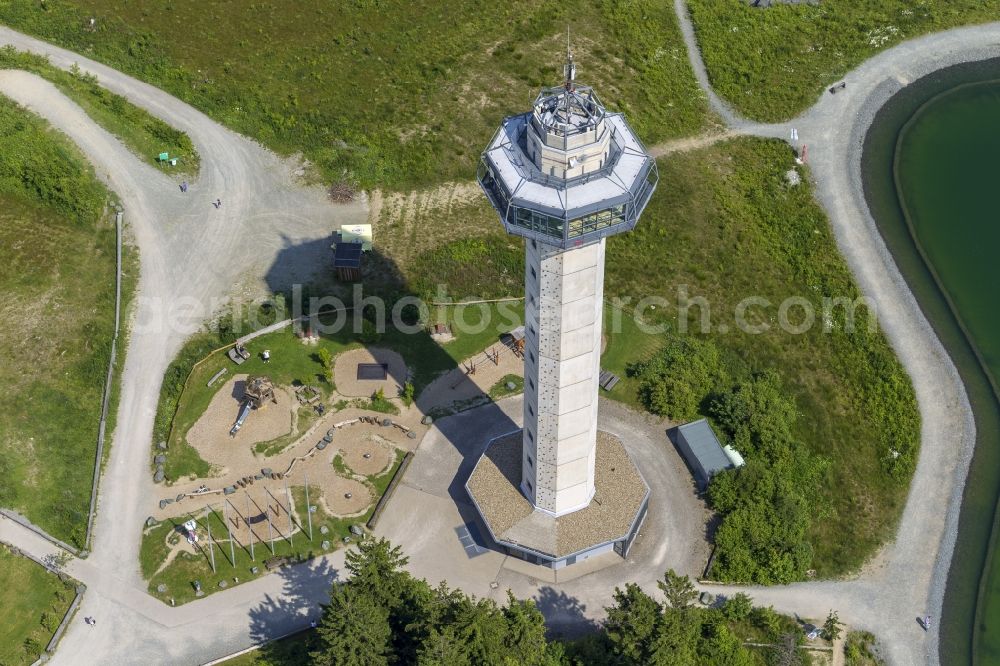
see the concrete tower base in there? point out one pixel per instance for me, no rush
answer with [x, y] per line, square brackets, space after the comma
[608, 523]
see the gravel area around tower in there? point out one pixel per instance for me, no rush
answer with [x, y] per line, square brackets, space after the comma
[619, 493]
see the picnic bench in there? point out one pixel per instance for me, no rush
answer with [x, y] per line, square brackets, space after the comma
[608, 380]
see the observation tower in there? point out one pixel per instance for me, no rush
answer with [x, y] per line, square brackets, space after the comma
[564, 176]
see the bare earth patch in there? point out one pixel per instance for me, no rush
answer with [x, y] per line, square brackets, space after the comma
[378, 450]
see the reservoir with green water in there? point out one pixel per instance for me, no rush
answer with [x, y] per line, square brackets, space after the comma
[932, 180]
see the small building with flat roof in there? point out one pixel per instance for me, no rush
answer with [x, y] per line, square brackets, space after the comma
[703, 452]
[347, 258]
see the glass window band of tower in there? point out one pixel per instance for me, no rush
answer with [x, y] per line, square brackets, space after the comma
[494, 188]
[575, 226]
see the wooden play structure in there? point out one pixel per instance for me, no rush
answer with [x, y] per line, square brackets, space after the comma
[257, 393]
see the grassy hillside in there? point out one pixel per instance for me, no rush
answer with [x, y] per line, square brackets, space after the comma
[725, 226]
[33, 602]
[388, 92]
[57, 266]
[773, 63]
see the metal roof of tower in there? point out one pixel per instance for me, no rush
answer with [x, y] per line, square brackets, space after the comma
[570, 208]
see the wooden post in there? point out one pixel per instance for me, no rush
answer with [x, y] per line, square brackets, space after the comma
[309, 518]
[211, 544]
[270, 532]
[288, 510]
[246, 519]
[229, 530]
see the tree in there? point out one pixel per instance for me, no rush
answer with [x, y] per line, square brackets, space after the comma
[737, 607]
[632, 624]
[719, 645]
[443, 648]
[482, 627]
[678, 590]
[832, 626]
[677, 638]
[369, 333]
[679, 377]
[767, 620]
[526, 643]
[326, 360]
[354, 631]
[788, 651]
[376, 569]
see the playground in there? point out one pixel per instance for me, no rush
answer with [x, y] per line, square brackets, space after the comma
[264, 427]
[255, 513]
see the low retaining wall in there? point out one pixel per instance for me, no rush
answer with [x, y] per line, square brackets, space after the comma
[106, 400]
[390, 489]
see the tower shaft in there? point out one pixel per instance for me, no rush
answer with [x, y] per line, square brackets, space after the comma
[563, 323]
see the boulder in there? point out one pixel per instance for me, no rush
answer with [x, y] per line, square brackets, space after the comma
[150, 522]
[160, 459]
[161, 588]
[223, 584]
[159, 475]
[386, 423]
[161, 446]
[411, 435]
[427, 420]
[325, 545]
[321, 445]
[181, 496]
[163, 504]
[229, 490]
[511, 386]
[357, 530]
[323, 529]
[266, 471]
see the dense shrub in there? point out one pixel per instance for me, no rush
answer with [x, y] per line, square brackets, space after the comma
[32, 161]
[773, 63]
[765, 507]
[678, 379]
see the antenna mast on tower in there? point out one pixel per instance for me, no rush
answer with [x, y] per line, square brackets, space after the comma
[569, 69]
